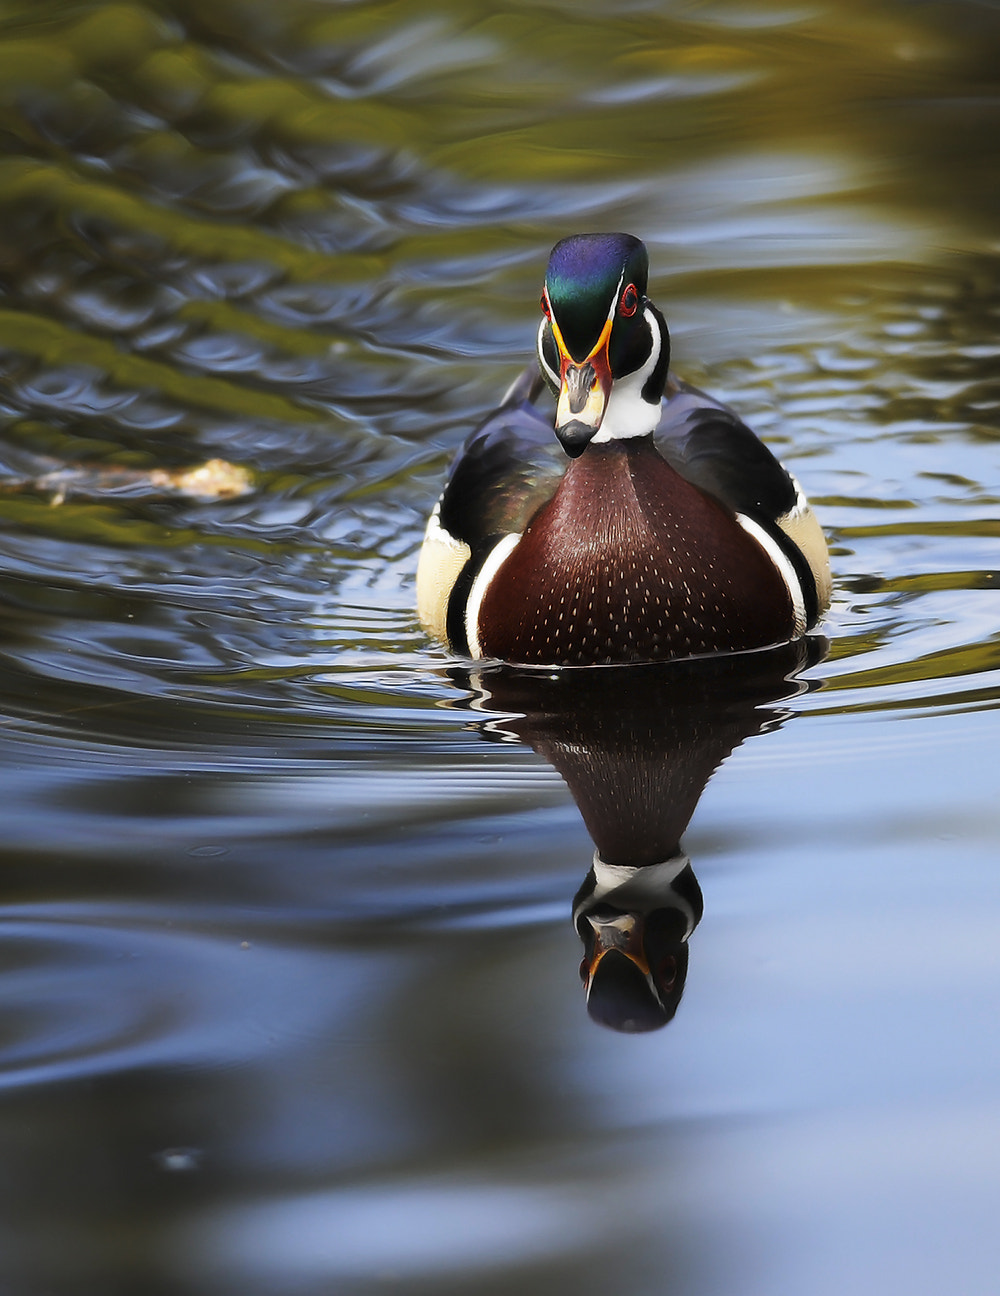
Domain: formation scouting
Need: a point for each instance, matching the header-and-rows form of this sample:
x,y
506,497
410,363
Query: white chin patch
x,y
628,415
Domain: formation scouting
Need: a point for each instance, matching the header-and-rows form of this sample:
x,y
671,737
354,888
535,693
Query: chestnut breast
x,y
629,562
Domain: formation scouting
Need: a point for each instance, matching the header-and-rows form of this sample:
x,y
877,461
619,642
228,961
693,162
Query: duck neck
x,y
633,408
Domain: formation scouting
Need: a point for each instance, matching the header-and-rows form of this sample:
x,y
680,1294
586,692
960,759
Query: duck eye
x,y
546,309
629,301
667,972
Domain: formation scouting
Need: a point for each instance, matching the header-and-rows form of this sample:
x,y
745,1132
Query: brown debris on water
x,y
216,479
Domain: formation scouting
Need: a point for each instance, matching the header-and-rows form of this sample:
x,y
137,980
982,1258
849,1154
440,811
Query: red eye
x,y
545,307
629,301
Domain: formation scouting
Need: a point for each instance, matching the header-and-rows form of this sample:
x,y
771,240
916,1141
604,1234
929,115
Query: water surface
x,y
289,998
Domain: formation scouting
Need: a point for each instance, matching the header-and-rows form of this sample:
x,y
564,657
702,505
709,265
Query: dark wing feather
x,y
508,468
713,449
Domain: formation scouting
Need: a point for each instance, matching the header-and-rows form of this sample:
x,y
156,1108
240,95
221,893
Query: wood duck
x,y
670,532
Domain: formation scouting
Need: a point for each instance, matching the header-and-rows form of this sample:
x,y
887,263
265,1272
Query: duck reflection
x,y
636,746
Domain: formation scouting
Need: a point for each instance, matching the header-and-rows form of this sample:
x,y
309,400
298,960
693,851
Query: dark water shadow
x,y
636,747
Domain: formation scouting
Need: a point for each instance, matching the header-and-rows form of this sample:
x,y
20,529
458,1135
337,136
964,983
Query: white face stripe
x,y
614,298
550,373
497,556
627,414
785,569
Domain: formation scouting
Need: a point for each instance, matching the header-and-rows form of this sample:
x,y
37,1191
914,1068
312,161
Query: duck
x,y
642,522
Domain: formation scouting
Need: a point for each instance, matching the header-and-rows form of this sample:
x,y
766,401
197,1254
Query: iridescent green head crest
x,y
584,274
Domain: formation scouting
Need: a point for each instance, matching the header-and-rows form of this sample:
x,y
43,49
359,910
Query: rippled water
x,y
288,988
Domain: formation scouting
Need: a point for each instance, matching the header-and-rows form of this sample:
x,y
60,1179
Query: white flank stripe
x,y
785,569
480,585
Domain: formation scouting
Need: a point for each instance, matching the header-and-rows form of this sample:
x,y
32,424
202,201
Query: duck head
x,y
635,924
602,345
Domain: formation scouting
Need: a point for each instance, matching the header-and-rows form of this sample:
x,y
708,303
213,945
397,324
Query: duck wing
x,y
508,468
712,448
